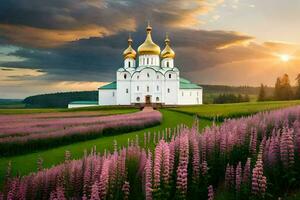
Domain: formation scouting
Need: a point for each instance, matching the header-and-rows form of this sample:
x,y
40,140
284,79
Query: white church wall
x,y
129,63
190,96
149,60
171,88
107,97
146,82
167,62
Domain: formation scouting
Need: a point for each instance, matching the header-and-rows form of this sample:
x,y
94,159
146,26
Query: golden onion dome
x,y
168,51
149,47
129,52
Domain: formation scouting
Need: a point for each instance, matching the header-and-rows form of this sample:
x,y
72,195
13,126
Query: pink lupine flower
x,y
232,175
126,190
196,159
287,148
238,177
210,192
247,171
104,178
253,141
204,168
228,176
166,163
182,173
157,164
148,177
258,179
95,192
172,156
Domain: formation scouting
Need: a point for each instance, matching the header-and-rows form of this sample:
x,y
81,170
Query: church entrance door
x,y
148,100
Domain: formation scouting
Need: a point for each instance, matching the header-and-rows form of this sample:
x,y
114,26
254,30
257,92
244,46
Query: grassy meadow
x,y
219,112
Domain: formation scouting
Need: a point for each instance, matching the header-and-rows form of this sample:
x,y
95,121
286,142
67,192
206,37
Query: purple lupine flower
x,y
287,148
126,190
247,171
238,177
227,176
210,192
182,172
204,168
148,177
259,181
166,163
157,164
95,192
104,178
196,159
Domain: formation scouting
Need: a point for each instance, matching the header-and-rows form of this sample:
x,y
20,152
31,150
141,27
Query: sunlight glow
x,y
285,57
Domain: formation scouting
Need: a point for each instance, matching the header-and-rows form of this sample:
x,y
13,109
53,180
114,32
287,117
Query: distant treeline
x,y
282,90
222,89
231,98
59,100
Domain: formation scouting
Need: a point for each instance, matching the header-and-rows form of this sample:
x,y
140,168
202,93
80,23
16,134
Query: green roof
x,y
85,102
110,86
186,84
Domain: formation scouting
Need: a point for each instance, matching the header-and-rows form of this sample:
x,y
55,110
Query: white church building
x,y
148,76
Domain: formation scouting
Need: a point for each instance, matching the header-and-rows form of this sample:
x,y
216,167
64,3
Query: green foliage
x,y
231,98
297,93
262,93
283,89
59,100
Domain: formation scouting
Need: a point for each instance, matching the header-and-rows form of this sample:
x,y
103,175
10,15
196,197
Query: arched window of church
x,y
125,76
170,76
152,61
147,61
137,88
157,98
148,89
138,77
127,90
129,64
157,88
148,75
113,94
167,64
157,77
168,90
138,99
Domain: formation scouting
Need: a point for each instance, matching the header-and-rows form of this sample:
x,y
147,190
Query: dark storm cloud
x,y
83,40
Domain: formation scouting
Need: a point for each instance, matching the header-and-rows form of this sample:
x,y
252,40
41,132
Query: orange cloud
x,y
38,37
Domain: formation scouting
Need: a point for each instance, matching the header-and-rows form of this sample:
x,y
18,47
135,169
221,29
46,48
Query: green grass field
x,y
221,111
105,110
25,164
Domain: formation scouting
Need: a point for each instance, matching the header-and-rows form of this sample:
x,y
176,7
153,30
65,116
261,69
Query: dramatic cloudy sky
x,y
63,45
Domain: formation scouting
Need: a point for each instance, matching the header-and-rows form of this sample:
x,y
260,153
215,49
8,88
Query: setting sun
x,y
285,57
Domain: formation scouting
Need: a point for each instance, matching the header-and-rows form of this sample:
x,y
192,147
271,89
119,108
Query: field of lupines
x,y
25,133
256,157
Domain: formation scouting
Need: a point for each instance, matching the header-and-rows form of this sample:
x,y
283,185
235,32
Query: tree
x,y
297,94
262,93
283,89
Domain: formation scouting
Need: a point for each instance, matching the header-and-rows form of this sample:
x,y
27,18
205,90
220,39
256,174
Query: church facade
x,y
149,76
